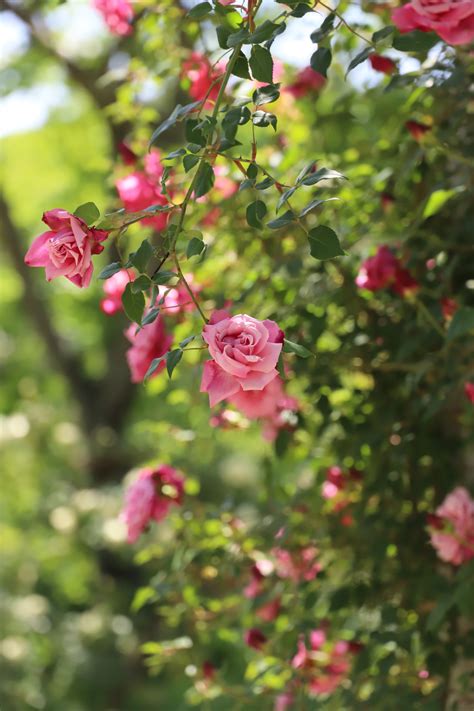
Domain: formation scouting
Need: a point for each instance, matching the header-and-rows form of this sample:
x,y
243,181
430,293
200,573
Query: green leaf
x,y
322,174
321,60
462,323
264,32
241,67
314,204
437,615
284,197
142,256
200,10
256,211
177,113
261,64
142,283
359,58
233,118
301,10
326,27
296,348
151,316
223,34
416,41
172,360
189,161
285,219
266,94
142,596
262,119
252,171
186,341
265,183
383,33
195,247
89,212
437,199
133,303
155,363
235,38
110,270
324,243
163,276
205,179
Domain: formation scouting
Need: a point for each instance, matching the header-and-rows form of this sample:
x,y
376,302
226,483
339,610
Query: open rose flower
x,y
148,343
384,270
452,529
150,498
113,290
138,191
244,354
452,20
202,77
66,249
306,81
118,15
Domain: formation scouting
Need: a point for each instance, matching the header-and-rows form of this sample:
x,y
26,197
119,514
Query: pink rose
x,y
118,15
469,391
148,343
297,565
245,353
284,701
384,270
452,20
324,677
198,70
150,498
67,248
269,611
382,64
113,290
137,192
307,80
453,536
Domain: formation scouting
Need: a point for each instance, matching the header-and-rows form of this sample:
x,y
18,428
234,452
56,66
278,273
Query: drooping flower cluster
x,y
384,271
150,497
66,249
452,20
118,15
452,527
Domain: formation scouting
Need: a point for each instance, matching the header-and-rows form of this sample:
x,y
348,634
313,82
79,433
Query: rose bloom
x,y
113,290
417,130
255,638
148,343
452,20
297,565
453,533
306,81
66,249
244,354
137,192
201,75
324,677
382,64
469,391
150,497
384,270
118,15
448,308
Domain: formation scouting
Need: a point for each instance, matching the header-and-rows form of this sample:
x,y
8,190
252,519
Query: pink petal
x,y
38,255
257,381
217,383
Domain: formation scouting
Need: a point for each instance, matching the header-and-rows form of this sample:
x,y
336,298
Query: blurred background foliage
x,y
384,393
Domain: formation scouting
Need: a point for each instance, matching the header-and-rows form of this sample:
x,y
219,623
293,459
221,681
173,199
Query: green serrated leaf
x,y
266,94
324,243
172,360
89,212
322,174
383,33
261,64
314,204
321,60
255,213
189,161
263,32
141,283
163,277
296,348
326,27
262,119
287,218
284,197
359,58
133,303
241,67
154,365
195,247
142,256
110,270
200,10
150,316
205,179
